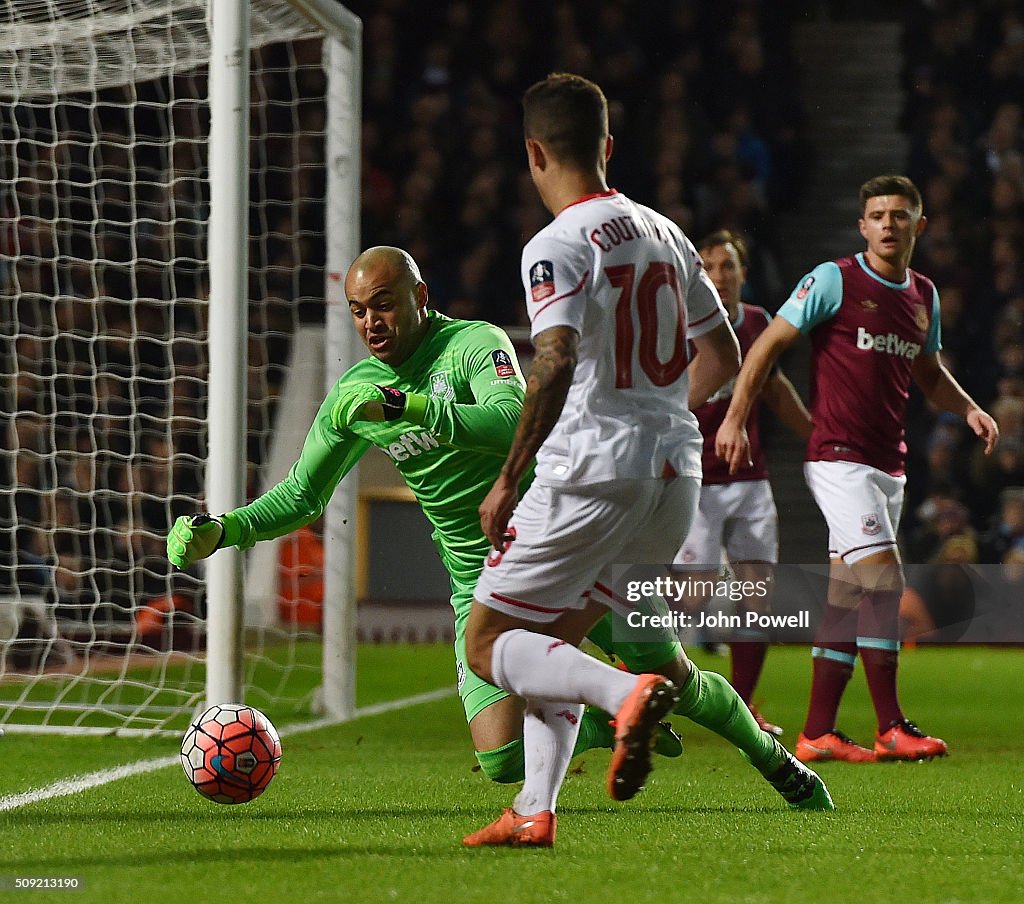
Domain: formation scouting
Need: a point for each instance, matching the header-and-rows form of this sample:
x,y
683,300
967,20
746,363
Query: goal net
x,y
104,317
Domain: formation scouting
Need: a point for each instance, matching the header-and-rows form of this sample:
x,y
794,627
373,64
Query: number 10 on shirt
x,y
643,295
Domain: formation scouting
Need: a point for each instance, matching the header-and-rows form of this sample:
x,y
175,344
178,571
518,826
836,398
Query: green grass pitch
x,y
373,811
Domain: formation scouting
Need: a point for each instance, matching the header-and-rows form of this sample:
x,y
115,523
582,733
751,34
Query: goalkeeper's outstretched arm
x,y
328,454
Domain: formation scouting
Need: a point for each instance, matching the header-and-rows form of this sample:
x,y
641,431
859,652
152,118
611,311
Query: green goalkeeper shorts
x,y
475,693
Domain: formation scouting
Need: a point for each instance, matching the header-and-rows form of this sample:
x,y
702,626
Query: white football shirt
x,y
632,285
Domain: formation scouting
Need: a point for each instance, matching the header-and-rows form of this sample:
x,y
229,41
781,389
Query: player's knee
x,y
895,585
844,594
483,628
478,656
504,764
880,577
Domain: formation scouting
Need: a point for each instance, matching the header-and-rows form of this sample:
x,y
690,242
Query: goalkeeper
x,y
441,398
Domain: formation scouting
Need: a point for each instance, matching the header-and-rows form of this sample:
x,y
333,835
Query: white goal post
x,y
149,281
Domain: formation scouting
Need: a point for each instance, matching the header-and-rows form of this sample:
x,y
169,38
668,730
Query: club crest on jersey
x,y
542,280
805,287
441,386
870,524
868,304
920,317
503,366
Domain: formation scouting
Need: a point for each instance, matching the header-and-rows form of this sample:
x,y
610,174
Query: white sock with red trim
x,y
538,667
549,736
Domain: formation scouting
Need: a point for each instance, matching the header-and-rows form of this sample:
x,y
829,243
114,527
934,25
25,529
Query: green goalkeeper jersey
x,y
465,395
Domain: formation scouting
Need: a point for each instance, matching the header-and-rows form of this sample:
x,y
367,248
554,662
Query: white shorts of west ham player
x,y
861,505
739,517
566,539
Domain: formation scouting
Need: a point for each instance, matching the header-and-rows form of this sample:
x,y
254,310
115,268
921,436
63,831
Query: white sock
x,y
538,667
549,736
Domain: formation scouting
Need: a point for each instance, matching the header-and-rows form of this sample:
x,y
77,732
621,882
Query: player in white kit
x,y
614,292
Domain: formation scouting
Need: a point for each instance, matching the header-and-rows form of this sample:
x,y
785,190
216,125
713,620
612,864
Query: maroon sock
x,y
830,679
880,671
835,653
747,662
878,643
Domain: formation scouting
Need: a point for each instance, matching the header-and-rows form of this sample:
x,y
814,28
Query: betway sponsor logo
x,y
410,444
891,344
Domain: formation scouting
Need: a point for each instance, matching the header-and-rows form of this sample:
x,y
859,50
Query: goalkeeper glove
x,y
368,402
391,409
194,537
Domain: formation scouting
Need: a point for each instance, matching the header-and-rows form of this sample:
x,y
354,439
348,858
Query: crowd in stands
x,y
106,397
103,317
707,99
104,409
704,96
964,82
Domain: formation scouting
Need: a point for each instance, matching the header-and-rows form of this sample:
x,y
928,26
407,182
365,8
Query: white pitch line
x,y
375,709
77,784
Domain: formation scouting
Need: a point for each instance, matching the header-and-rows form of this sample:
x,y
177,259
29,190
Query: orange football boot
x,y
635,723
833,745
512,830
903,740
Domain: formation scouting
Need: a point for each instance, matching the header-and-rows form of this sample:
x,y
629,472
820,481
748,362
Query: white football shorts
x,y
740,517
861,505
567,537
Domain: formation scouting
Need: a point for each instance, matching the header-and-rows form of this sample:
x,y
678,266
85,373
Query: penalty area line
x,y
78,784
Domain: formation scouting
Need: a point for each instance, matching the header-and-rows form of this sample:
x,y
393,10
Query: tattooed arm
x,y
547,386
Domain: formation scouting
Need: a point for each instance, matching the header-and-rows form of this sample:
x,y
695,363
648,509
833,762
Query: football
x,y
230,753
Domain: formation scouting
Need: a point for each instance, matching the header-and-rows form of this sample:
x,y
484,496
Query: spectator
x,y
1008,531
937,604
92,320
965,125
943,518
737,179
